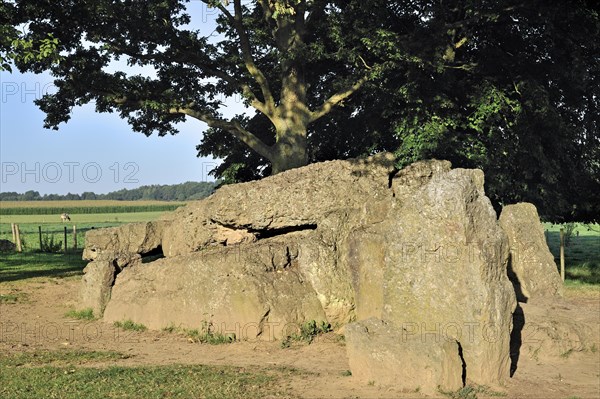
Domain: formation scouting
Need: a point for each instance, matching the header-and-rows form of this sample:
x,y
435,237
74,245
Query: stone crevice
x,y
262,234
463,363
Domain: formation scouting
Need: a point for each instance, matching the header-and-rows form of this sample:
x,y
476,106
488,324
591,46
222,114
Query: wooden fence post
x,y
40,234
562,254
74,237
65,241
18,235
14,232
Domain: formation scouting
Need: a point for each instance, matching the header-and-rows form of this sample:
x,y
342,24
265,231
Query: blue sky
x,y
92,152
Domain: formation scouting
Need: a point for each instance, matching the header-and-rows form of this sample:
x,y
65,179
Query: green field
x,y
85,215
30,264
32,215
29,226
582,254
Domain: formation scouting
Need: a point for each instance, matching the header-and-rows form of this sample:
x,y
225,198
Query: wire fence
x,y
46,238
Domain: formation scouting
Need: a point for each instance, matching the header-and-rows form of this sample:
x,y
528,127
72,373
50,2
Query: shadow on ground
x,y
21,266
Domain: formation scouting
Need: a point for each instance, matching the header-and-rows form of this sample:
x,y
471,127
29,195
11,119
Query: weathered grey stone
x,y
416,175
96,285
385,355
531,268
445,271
364,254
293,200
331,284
226,236
133,238
252,290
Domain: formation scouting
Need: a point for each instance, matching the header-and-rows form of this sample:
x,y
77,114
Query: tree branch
x,y
266,10
300,20
246,90
268,107
318,9
335,100
210,70
232,127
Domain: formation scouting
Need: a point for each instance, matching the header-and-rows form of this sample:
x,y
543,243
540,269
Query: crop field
x,y
85,215
56,208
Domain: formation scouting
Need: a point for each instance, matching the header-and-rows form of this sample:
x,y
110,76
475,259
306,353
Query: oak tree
x,y
261,50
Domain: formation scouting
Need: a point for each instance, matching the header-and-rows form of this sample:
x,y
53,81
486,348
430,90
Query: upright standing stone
x,y
531,267
445,272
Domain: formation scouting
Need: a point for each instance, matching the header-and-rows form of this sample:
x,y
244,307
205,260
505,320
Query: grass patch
x,y
212,338
65,357
578,289
9,298
29,264
585,272
307,333
208,335
582,255
205,335
565,355
13,298
129,325
149,382
170,329
471,391
84,314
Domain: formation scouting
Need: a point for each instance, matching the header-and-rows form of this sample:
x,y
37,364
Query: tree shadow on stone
x,y
514,279
516,339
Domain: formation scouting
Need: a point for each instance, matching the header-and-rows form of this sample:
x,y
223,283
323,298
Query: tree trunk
x,y
289,151
291,122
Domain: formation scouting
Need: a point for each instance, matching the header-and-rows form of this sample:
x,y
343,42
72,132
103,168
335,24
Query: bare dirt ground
x,y
37,322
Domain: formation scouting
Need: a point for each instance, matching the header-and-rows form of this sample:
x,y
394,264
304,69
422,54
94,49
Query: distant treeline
x,y
168,192
84,210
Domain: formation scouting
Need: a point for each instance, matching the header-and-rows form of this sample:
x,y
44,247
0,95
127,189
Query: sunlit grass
x,y
72,375
83,314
